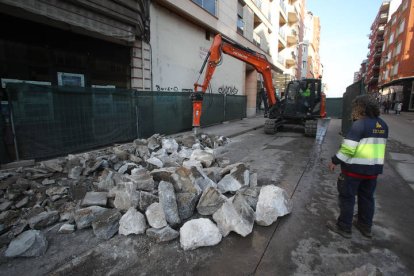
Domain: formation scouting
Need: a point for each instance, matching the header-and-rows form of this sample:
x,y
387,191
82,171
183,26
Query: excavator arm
x,y
222,45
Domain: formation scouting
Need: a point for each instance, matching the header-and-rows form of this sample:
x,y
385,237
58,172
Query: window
x,y
208,5
240,21
391,40
395,69
398,48
386,74
401,26
394,19
405,5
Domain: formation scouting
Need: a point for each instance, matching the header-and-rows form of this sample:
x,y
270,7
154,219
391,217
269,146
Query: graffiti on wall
x,y
227,90
171,89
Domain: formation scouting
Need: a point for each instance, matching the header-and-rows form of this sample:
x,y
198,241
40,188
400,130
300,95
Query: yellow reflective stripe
x,y
347,150
370,151
350,143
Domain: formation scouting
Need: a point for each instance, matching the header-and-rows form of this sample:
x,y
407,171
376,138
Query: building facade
x,y
375,48
397,66
75,43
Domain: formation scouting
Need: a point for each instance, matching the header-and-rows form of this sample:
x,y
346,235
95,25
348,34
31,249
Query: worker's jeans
x,y
348,188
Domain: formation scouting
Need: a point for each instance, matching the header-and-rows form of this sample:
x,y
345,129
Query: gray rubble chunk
x,y
142,178
164,234
155,216
185,153
206,158
228,184
186,203
75,172
132,222
235,216
186,140
213,173
31,243
106,183
126,196
145,200
66,229
52,165
156,162
22,202
253,180
192,163
210,201
48,181
106,224
273,202
84,217
43,219
169,144
199,232
95,199
168,202
127,168
183,181
163,174
5,205
251,194
56,191
153,142
365,270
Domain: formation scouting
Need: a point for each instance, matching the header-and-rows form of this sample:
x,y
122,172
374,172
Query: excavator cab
x,y
302,105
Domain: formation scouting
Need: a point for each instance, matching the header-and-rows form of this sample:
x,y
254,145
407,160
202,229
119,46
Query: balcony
x,y
292,15
281,60
283,13
290,59
292,37
282,39
379,43
385,5
382,19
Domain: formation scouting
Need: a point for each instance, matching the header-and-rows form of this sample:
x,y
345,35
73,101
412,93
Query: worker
x,y
306,98
361,157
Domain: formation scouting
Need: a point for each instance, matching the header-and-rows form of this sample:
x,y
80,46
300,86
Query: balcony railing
x,y
282,6
282,33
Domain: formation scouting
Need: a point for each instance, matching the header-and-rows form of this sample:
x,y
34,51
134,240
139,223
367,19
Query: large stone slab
x,y
199,232
84,217
183,181
206,158
106,224
132,222
164,234
168,202
155,216
210,201
31,243
145,200
235,216
186,203
273,202
126,196
95,199
142,178
44,219
170,145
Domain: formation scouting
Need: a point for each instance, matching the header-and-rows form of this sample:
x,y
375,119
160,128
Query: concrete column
x,y
141,66
251,91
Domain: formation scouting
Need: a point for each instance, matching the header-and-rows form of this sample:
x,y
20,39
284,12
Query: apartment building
x,y
397,66
182,33
311,64
375,48
77,43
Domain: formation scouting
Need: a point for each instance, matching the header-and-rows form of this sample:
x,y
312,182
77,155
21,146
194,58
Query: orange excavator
x,y
303,102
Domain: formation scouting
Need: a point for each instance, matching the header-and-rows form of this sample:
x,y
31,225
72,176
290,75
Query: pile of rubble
x,y
163,187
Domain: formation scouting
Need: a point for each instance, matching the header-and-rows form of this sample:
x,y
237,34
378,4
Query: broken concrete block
x,y
56,191
155,216
31,243
251,194
253,180
84,217
132,222
186,203
235,216
106,182
199,232
5,205
210,201
142,178
228,184
52,165
273,203
126,196
145,200
203,156
192,163
66,229
95,198
185,153
153,142
47,181
127,168
163,174
164,234
183,181
169,144
22,202
168,202
75,172
106,224
186,140
44,219
155,162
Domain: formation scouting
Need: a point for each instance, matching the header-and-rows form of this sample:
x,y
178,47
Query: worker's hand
x,y
332,166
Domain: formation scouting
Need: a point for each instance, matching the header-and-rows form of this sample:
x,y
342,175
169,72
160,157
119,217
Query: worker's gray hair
x,y
365,106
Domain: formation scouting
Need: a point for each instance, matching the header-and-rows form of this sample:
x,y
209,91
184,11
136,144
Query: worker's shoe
x,y
364,229
331,225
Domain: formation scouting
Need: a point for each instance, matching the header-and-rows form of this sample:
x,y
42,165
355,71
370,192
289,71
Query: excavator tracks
x,y
271,126
311,127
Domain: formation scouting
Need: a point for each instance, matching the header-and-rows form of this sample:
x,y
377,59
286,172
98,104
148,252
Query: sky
x,y
345,26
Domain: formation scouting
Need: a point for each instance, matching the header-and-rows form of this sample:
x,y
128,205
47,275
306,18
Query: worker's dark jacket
x,y
363,149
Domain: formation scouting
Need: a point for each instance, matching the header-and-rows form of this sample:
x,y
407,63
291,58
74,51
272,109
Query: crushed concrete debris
x,y
150,186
